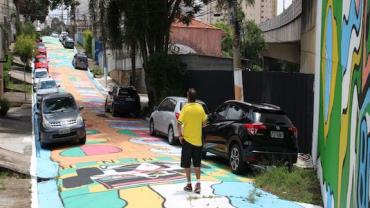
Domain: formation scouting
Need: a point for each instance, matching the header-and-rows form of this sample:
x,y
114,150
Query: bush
x,y
24,46
97,72
166,75
87,44
4,106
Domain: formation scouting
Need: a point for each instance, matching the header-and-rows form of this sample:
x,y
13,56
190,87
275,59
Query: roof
x,y
40,56
46,79
40,69
58,95
264,106
177,98
195,24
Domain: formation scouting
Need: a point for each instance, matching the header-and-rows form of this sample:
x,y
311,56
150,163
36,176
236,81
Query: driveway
x,y
122,166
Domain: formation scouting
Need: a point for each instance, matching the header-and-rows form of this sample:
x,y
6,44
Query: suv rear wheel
x,y
151,128
236,162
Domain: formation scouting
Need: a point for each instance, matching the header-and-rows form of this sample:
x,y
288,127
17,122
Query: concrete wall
x,y
308,37
342,117
205,41
284,51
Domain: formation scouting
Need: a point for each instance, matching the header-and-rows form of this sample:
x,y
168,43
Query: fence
x,y
293,92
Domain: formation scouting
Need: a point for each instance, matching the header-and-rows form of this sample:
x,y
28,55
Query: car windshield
x,y
61,104
43,60
41,74
272,118
48,84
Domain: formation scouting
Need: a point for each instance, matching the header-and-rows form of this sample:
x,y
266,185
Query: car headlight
x,y
79,120
46,123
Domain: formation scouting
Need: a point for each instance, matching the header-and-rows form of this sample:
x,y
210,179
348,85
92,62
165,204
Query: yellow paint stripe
x,y
141,197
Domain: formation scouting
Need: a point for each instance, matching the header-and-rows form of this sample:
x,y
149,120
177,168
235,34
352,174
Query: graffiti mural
x,y
344,104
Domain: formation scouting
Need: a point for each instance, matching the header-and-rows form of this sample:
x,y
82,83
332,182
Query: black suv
x,y
123,100
247,133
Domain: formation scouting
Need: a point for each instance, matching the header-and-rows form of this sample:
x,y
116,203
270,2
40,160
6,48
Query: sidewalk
x,y
15,155
17,98
19,75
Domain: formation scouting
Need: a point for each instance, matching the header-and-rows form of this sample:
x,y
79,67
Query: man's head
x,y
192,95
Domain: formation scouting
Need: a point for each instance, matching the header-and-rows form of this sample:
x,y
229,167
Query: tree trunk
x,y
133,66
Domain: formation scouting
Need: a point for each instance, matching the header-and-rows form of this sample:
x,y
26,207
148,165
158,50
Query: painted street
x,y
121,165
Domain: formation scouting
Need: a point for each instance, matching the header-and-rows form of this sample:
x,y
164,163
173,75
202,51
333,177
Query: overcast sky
x,y
280,5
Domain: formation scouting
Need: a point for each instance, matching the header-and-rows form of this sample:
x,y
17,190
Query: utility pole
x,y
237,64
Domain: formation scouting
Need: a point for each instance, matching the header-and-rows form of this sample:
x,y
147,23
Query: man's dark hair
x,y
192,95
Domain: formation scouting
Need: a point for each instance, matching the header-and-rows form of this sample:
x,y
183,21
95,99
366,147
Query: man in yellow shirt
x,y
192,117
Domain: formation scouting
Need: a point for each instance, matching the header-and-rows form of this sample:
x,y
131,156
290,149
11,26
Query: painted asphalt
x,y
121,165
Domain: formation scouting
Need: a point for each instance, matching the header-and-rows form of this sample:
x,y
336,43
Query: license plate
x,y
277,134
64,131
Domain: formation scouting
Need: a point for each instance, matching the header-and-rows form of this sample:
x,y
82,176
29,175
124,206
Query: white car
x,y
163,120
55,35
44,87
39,74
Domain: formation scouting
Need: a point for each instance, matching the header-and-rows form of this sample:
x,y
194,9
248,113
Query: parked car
x,y
60,120
42,51
163,120
247,133
62,36
68,43
123,100
41,62
39,74
80,61
44,87
55,35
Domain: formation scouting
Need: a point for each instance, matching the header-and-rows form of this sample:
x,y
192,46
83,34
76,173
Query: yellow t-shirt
x,y
192,117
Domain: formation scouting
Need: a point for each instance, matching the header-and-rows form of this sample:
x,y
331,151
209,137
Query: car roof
x,y
46,79
57,95
261,106
41,56
81,54
40,70
183,99
69,39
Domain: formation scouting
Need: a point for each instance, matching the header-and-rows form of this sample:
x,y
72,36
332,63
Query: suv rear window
x,y
127,92
272,118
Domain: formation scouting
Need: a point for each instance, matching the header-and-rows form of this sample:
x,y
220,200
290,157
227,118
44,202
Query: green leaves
x,y
24,46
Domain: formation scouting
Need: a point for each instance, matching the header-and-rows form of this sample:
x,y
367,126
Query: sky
x,y
280,5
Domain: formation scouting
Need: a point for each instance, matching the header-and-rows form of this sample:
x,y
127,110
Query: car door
x,y
110,96
159,120
213,140
169,115
234,116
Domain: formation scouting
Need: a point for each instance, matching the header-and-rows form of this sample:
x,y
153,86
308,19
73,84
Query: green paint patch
x,y
72,152
95,141
106,198
92,132
127,132
66,171
74,192
86,165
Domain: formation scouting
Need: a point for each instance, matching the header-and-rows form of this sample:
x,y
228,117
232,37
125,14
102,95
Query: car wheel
x,y
236,162
106,106
151,128
43,144
114,112
82,141
171,136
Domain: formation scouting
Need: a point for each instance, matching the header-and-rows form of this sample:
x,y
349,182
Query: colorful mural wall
x,y
344,104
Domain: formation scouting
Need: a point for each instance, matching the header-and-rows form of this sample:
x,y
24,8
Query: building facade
x,y
260,11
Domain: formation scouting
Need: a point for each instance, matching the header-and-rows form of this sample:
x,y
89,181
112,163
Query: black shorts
x,y
190,153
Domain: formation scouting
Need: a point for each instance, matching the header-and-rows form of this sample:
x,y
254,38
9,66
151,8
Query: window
x,y
221,111
163,105
63,104
234,113
171,105
272,118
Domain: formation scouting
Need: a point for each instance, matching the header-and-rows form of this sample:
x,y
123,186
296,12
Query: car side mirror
x,y
34,88
81,108
58,85
155,108
37,113
110,92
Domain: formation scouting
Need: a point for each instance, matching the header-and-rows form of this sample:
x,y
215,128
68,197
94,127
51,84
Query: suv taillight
x,y
294,130
177,115
253,128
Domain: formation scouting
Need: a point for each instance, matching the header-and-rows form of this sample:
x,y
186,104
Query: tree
x,y
254,42
147,26
34,9
227,39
